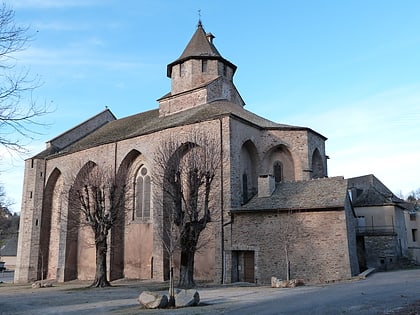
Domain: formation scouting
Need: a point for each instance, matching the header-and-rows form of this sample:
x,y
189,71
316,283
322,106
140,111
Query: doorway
x,y
243,266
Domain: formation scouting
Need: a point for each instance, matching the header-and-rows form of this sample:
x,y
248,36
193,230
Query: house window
x,y
414,235
204,65
412,216
181,69
142,194
278,171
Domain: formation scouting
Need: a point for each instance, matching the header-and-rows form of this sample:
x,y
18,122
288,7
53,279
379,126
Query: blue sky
x,y
347,69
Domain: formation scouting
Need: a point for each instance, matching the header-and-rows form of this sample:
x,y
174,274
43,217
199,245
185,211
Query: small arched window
x,y
142,194
278,171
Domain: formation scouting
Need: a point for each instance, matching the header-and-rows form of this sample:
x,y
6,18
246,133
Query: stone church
x,y
272,189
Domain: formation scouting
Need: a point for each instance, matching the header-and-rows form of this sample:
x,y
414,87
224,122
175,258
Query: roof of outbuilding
x,y
316,194
150,121
373,192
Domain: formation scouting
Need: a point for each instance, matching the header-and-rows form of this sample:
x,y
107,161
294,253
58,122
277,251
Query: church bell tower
x,y
199,76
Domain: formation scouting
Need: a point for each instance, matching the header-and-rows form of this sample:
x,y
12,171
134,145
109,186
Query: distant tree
x,y
414,196
18,111
99,204
185,173
9,221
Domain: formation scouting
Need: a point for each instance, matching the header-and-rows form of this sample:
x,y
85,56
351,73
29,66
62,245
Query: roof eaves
x,y
293,209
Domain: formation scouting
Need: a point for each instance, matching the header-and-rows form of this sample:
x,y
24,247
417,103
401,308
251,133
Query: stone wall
x,y
382,252
318,244
27,260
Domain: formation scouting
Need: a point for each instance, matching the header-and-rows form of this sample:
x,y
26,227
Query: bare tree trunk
x,y
100,275
286,250
186,270
171,287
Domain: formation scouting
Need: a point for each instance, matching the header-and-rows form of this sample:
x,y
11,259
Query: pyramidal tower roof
x,y
201,44
199,47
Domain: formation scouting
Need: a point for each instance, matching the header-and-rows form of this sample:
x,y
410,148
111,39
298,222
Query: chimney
x,y
210,37
266,185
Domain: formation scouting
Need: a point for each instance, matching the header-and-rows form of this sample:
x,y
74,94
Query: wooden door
x,y
249,266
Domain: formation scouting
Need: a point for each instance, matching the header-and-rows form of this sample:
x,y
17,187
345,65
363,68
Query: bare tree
x,y
289,225
18,111
185,172
99,205
414,196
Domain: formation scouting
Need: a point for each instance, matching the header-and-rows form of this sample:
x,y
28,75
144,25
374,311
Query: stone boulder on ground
x,y
275,282
278,283
184,298
42,284
153,300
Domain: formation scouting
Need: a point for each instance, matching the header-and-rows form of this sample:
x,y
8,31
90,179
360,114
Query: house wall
x,y
351,223
378,216
412,221
10,262
319,245
383,250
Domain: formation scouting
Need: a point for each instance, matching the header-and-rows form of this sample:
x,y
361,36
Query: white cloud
x,y
54,4
377,135
76,54
60,26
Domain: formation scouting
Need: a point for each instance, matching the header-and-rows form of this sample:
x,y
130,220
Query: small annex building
x,y
381,229
310,222
271,190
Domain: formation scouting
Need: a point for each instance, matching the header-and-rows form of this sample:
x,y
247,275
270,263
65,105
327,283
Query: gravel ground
x,y
412,309
391,293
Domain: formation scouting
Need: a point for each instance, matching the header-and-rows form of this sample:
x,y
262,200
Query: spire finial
x,y
199,18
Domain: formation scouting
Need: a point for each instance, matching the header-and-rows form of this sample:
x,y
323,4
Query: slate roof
x,y
199,47
150,122
316,194
373,192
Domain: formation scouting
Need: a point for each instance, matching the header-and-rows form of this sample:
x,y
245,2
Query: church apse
x,y
279,162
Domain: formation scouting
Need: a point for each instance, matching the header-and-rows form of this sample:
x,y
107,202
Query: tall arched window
x,y
317,165
142,194
278,171
244,188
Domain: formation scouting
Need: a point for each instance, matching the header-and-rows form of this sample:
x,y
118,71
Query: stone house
x,y
270,172
381,231
412,222
313,220
8,252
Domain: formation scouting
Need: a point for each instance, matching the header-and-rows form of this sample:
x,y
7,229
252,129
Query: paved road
x,y
378,294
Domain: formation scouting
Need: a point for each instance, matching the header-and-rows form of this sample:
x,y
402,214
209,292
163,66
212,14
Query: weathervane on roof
x,y
199,17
